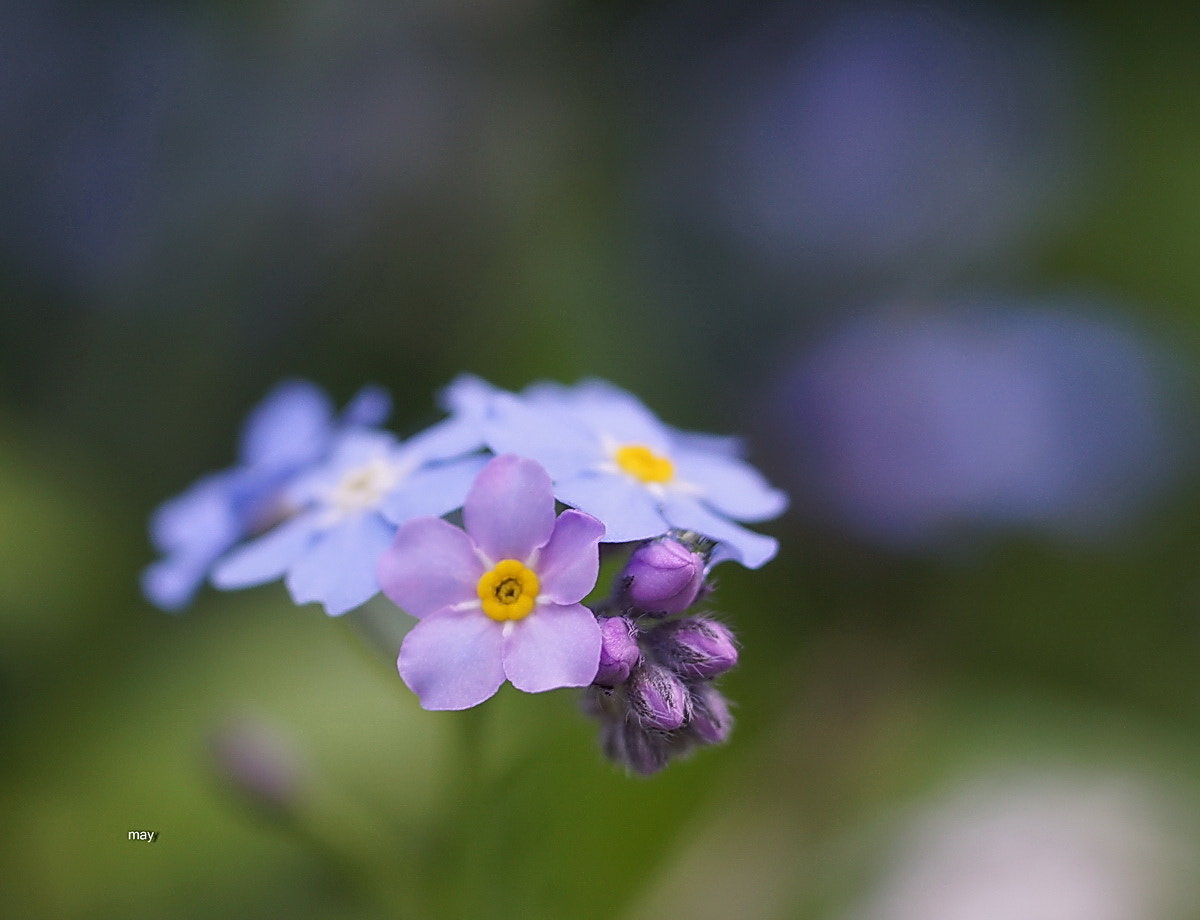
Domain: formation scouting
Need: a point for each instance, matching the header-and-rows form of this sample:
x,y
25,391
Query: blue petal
x,y
369,407
563,445
433,490
750,548
731,486
268,557
170,584
468,395
628,510
452,437
338,570
291,426
203,516
616,415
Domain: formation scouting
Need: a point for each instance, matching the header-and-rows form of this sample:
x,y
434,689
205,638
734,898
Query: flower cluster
x,y
653,692
341,510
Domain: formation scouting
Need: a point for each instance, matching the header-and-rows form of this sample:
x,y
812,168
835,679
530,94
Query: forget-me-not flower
x,y
611,457
500,600
290,429
348,510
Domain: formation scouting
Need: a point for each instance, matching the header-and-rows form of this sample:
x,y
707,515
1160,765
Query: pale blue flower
x,y
347,510
293,427
611,457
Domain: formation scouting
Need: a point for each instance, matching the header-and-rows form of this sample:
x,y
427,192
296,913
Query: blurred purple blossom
x,y
862,136
907,426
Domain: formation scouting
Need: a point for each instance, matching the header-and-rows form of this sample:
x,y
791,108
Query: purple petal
x,y
268,557
339,569
432,491
628,509
431,564
451,659
750,548
555,646
567,566
730,486
509,511
289,427
561,443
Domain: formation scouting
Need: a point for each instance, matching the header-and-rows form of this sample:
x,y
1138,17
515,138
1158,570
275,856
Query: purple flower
x,y
611,457
499,600
907,427
866,135
348,509
293,427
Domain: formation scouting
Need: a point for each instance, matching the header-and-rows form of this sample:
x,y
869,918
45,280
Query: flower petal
x,y
268,557
509,511
431,564
730,486
432,491
567,566
616,414
369,407
555,646
561,443
171,583
750,548
339,569
291,426
202,519
450,437
628,509
452,659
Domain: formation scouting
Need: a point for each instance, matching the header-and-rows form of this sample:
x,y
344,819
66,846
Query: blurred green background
x,y
202,198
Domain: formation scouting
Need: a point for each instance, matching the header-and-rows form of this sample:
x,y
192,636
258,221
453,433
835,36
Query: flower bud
x,y
711,720
659,700
619,651
663,577
258,763
644,752
696,648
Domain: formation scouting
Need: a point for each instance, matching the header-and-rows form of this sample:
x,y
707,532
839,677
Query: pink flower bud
x,y
259,764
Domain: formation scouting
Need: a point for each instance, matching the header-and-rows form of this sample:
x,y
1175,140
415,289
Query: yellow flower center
x,y
640,462
509,591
